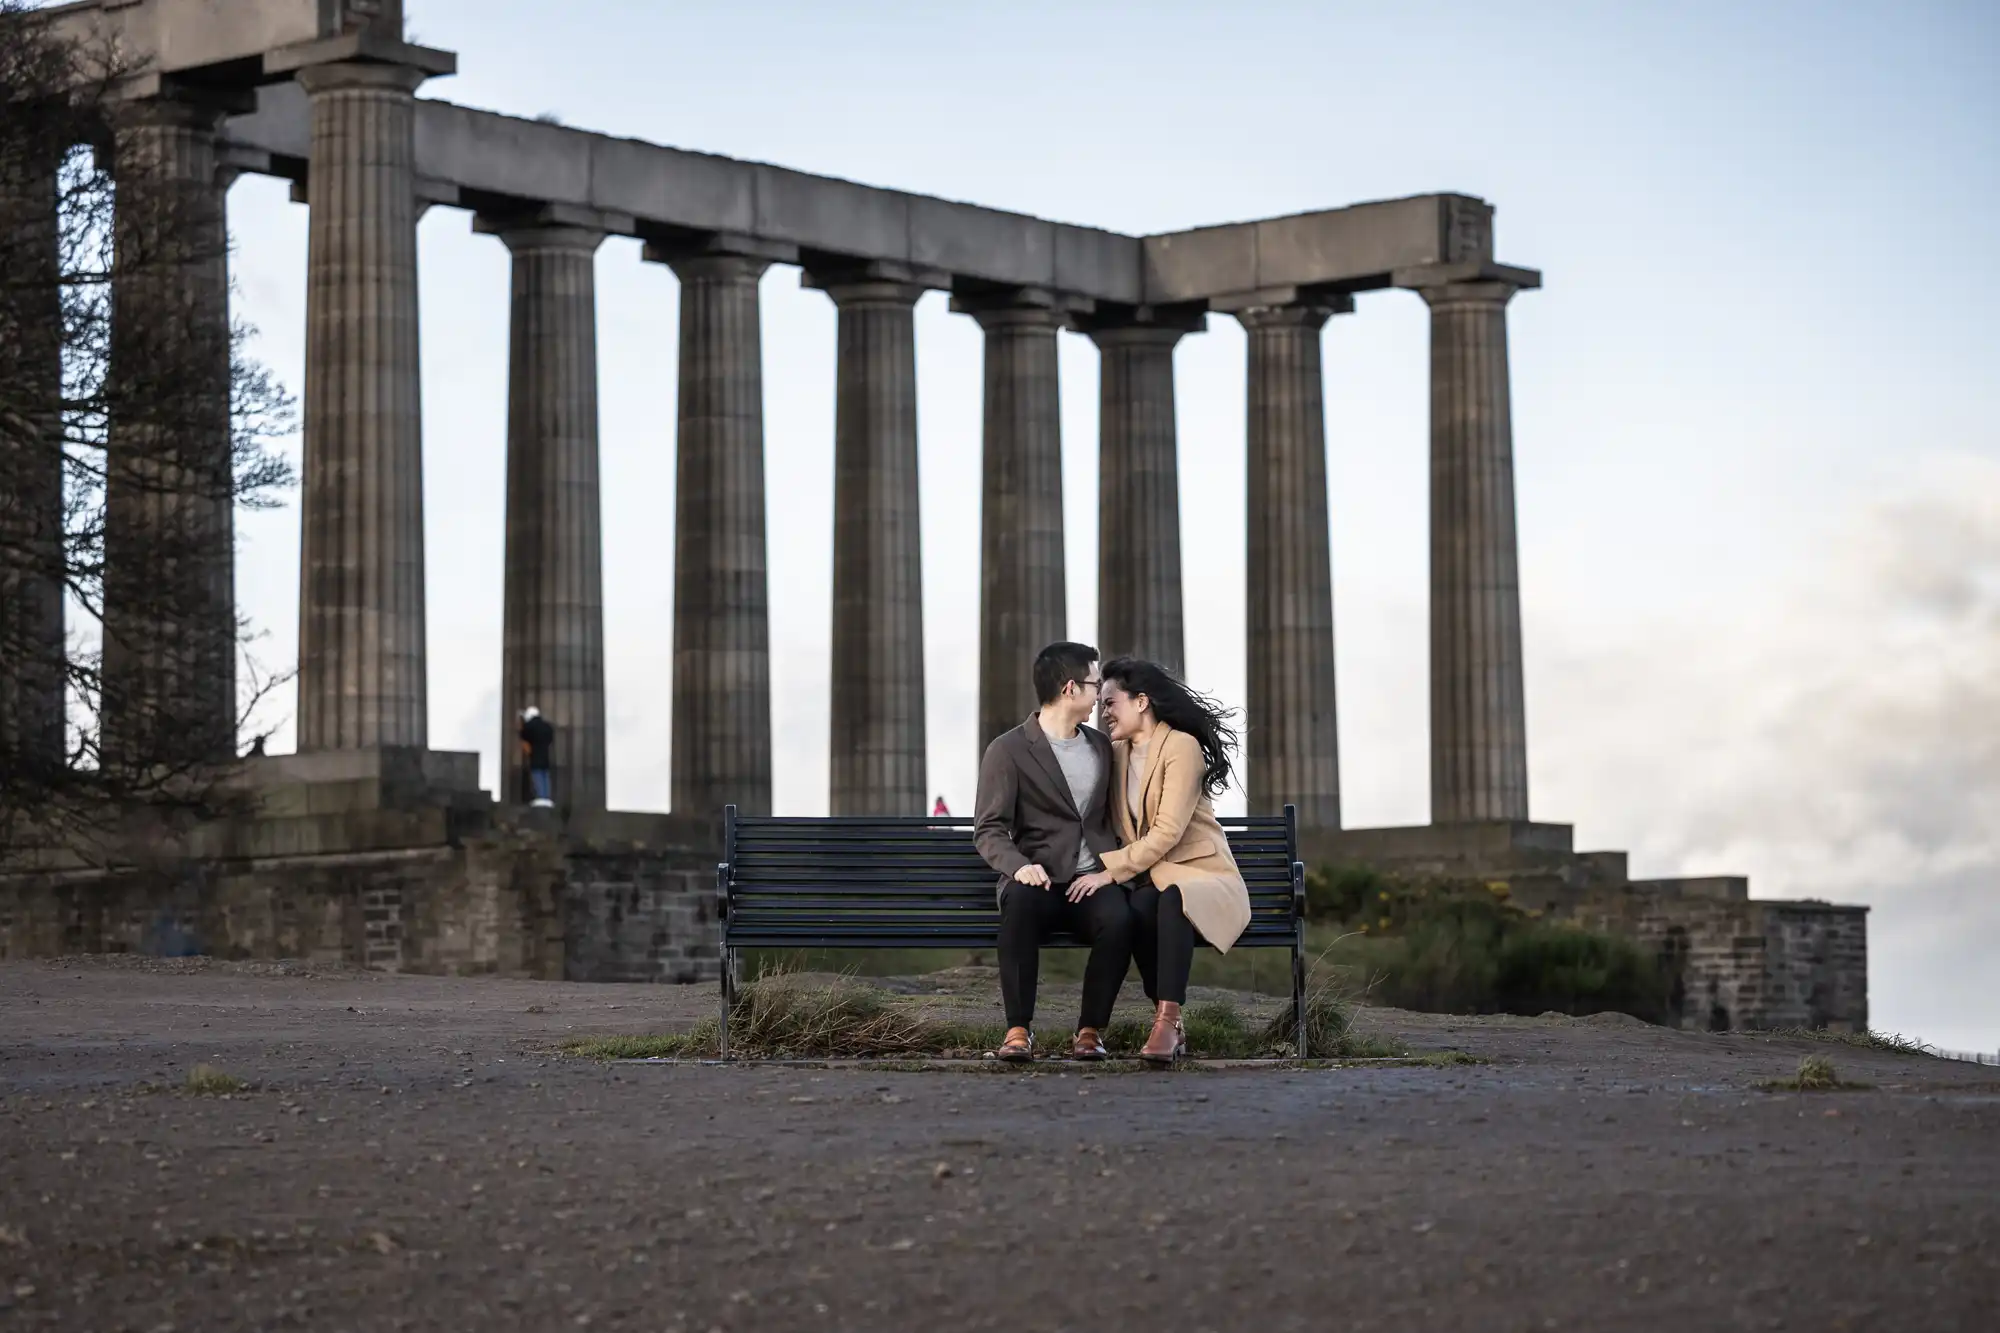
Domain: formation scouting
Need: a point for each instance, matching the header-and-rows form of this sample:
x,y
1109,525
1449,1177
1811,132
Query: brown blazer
x,y
1173,835
1024,812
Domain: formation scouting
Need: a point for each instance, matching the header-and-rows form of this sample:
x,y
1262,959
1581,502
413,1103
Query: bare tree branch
x,y
133,424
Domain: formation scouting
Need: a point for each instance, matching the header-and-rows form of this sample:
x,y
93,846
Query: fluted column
x,y
1293,742
552,636
877,742
1138,494
361,586
169,647
722,604
1022,606
31,476
1479,743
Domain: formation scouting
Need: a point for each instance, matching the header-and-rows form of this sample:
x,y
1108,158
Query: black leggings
x,y
1162,941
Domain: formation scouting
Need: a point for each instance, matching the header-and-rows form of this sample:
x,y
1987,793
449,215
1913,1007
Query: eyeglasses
x,y
1088,683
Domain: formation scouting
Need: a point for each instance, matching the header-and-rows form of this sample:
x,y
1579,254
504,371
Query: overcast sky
x,y
1754,406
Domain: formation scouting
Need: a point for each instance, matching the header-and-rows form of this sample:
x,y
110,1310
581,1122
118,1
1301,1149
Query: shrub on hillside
x,y
1458,946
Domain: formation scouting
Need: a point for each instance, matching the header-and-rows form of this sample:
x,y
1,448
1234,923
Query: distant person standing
x,y
940,808
537,739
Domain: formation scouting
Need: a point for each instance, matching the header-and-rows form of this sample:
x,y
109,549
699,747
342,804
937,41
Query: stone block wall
x,y
513,899
1748,962
640,916
1735,961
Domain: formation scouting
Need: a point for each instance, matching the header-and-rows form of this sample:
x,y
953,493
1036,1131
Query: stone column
x,y
1479,742
1022,604
1138,493
722,603
31,466
877,742
552,640
1294,740
169,650
361,584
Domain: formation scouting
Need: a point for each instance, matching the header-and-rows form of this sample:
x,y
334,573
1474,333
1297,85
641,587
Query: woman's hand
x,y
1084,885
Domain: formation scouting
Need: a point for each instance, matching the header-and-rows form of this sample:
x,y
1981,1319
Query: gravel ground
x,y
414,1153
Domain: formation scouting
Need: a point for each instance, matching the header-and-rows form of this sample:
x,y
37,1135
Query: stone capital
x,y
996,317
371,46
164,99
551,227
873,283
1478,282
348,76
1328,301
670,247
544,238
1310,314
1019,307
1142,326
713,267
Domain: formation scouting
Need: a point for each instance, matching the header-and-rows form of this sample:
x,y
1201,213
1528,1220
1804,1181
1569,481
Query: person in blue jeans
x,y
537,739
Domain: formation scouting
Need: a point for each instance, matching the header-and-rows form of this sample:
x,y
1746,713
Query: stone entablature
x,y
486,161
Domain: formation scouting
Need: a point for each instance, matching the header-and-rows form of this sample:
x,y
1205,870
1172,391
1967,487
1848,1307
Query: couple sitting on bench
x,y
1111,838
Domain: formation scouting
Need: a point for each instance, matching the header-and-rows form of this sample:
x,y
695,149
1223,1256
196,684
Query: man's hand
x,y
1032,874
1084,885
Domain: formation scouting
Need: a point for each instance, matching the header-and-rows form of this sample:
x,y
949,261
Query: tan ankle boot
x,y
1167,1042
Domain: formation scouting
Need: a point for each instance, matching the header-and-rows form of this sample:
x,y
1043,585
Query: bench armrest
x,y
1298,890
722,890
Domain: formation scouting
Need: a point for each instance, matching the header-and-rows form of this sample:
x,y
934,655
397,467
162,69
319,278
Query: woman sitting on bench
x,y
1170,751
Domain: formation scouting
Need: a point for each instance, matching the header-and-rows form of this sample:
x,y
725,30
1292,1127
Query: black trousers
x,y
1029,915
1162,941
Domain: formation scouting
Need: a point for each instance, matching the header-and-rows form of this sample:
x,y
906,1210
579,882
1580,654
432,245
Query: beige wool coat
x,y
1174,836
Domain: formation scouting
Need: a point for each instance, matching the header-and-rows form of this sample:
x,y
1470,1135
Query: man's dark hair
x,y
1057,665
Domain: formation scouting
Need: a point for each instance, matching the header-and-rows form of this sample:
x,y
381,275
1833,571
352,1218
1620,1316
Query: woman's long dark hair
x,y
1183,709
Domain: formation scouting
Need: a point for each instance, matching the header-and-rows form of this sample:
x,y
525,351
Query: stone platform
x,y
391,859
394,859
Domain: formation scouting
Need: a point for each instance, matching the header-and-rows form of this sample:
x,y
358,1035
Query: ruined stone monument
x,y
323,93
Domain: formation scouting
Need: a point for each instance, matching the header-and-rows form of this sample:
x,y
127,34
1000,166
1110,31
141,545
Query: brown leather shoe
x,y
1089,1045
1167,1042
1018,1048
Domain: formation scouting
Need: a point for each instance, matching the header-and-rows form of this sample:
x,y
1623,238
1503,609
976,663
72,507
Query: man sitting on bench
x,y
1041,819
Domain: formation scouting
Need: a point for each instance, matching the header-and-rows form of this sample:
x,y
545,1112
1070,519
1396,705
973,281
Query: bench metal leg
x,y
728,989
1299,991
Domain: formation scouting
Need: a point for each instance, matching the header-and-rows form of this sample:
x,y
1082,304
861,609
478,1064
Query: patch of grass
x,y
786,1016
1893,1042
209,1081
1815,1074
1330,1033
1447,1059
648,1046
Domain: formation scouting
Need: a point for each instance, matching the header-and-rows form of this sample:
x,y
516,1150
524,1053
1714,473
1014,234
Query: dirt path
x,y
414,1155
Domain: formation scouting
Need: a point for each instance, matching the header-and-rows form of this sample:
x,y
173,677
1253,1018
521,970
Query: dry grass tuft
x,y
1330,1033
786,1015
783,1015
208,1081
1894,1042
1815,1074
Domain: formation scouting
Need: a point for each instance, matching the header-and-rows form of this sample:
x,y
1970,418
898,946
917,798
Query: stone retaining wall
x,y
510,900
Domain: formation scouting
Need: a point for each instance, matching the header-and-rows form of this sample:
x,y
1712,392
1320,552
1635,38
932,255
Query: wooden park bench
x,y
891,883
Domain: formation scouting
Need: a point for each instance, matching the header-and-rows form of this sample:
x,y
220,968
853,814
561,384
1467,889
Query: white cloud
x,y
1834,734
